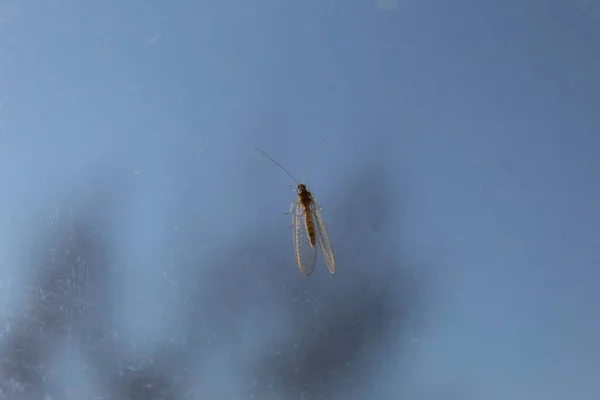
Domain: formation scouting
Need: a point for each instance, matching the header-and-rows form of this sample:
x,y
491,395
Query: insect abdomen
x,y
310,226
305,198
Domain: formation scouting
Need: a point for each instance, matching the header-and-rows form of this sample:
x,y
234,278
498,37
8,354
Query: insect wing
x,y
306,255
322,236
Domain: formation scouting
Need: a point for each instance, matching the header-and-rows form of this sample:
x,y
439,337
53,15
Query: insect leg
x,y
295,202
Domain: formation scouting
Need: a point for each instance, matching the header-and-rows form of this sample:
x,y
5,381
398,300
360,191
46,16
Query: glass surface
x,y
144,248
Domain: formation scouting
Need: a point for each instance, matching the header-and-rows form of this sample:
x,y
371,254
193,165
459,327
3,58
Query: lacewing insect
x,y
308,226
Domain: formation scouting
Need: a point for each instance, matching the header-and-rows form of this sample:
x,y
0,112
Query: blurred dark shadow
x,y
319,337
66,297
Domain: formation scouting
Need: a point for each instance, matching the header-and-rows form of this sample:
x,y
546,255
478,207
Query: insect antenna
x,y
313,158
276,163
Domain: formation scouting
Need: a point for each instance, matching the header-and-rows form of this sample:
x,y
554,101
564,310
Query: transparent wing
x,y
322,236
306,255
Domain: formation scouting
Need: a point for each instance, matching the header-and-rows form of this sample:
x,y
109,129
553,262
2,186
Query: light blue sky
x,y
460,169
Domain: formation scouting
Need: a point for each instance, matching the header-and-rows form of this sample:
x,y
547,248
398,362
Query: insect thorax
x,y
304,195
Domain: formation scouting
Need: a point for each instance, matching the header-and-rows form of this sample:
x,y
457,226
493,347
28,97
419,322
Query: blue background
x,y
144,252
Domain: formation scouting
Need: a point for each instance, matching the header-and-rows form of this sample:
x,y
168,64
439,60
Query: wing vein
x,y
323,236
306,255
